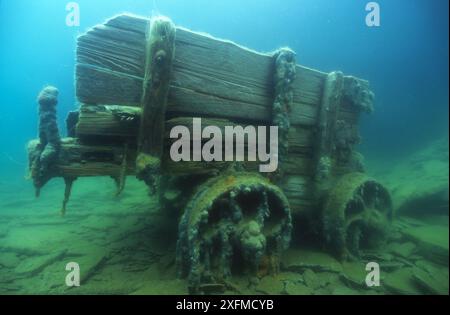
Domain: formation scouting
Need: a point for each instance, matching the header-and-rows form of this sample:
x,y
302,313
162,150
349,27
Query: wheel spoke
x,y
357,214
225,220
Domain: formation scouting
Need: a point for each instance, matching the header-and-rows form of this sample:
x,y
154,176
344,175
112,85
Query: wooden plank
x,y
110,62
301,140
73,151
108,120
185,101
123,121
78,160
351,118
129,22
158,70
92,169
299,165
299,191
226,61
102,86
211,77
109,48
301,206
331,100
304,115
248,77
301,186
308,86
203,83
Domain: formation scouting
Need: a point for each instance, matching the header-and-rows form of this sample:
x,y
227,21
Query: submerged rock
x,y
328,278
404,250
292,288
431,284
90,264
298,260
99,223
311,279
32,266
163,287
270,285
9,260
34,240
432,242
430,168
3,232
401,282
343,290
354,274
10,288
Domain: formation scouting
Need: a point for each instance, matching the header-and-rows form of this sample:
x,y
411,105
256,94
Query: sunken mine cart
x,y
136,78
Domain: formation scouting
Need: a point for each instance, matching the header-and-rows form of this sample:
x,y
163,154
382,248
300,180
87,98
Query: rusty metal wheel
x,y
232,223
357,214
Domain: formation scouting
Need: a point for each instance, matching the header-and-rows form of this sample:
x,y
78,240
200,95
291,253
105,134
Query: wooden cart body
x,y
135,81
218,80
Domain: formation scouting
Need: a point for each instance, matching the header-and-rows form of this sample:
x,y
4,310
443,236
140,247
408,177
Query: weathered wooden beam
x,y
299,190
295,165
109,121
284,77
160,51
344,98
80,160
123,122
211,77
331,100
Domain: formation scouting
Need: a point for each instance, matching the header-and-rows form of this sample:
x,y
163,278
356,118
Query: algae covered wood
x,y
122,122
108,120
158,68
210,77
79,160
137,78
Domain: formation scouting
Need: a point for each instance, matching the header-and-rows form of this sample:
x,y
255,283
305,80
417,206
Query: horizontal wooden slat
x,y
112,49
351,118
96,85
301,140
79,160
299,191
123,121
92,169
211,77
298,165
108,120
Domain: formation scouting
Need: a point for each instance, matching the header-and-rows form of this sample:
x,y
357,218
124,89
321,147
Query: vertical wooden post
x,y
158,66
331,99
284,77
68,181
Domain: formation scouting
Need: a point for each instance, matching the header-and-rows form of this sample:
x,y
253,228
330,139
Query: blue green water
x,y
405,59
